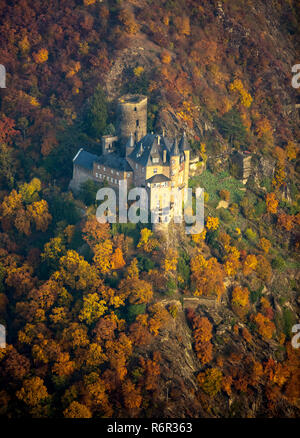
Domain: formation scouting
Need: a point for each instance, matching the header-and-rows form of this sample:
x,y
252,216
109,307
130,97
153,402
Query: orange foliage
x,y
272,203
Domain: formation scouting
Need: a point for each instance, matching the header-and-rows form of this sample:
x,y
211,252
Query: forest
x,y
114,320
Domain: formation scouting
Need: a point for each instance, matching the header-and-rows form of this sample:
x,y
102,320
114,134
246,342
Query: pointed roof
x,y
184,144
131,140
175,150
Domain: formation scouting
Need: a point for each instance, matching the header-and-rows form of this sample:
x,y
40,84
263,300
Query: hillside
x,y
115,320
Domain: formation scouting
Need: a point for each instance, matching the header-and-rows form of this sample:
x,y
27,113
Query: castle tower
x,y
174,163
185,148
132,117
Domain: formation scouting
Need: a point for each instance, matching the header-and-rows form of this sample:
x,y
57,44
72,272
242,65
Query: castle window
x,y
155,160
155,170
137,123
136,166
96,175
111,171
135,108
99,167
117,173
104,169
100,175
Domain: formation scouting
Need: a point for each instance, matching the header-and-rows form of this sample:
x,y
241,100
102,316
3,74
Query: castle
x,y
142,159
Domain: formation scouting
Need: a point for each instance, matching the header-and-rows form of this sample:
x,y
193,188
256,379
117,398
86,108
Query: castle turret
x,y
132,117
185,148
130,145
174,163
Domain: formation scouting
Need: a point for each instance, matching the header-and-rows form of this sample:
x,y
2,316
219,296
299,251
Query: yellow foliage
x,y
165,57
265,327
102,256
92,308
265,245
33,101
24,44
240,296
41,56
170,260
245,97
291,150
250,264
138,71
212,223
200,237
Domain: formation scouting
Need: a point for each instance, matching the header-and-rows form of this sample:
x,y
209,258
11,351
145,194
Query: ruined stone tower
x,y
132,117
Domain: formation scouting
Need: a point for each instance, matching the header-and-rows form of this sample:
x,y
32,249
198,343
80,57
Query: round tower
x,y
132,117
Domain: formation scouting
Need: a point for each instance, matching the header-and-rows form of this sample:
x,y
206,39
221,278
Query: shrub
x,y
225,216
251,235
225,195
255,295
278,263
134,310
289,320
170,287
88,191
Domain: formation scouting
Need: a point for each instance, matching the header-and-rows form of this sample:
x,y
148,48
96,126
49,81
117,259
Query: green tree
x,y
88,191
96,117
231,127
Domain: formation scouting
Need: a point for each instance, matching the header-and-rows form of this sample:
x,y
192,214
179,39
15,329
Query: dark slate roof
x,y
150,147
175,150
157,178
114,161
184,144
84,159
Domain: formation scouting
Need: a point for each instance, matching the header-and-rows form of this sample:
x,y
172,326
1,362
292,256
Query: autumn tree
x,y
272,203
249,264
147,241
33,393
77,410
211,381
202,334
207,276
240,301
265,327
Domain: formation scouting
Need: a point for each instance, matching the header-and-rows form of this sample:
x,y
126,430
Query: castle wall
x,y
80,175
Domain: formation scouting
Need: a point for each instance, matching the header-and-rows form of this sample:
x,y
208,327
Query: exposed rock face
x,y
263,168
